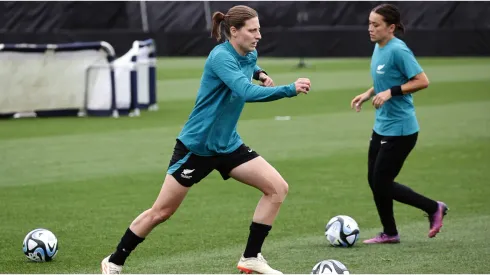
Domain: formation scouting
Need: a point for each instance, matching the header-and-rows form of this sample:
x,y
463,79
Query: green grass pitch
x,y
86,179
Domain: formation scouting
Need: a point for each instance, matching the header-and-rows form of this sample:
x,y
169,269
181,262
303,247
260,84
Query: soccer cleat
x,y
255,265
383,238
435,219
110,268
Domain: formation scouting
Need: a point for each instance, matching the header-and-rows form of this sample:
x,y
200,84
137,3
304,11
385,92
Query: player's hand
x,y
381,98
359,100
265,80
302,85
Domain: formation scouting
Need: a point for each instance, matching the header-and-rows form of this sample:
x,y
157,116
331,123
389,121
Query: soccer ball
x,y
342,231
329,267
40,245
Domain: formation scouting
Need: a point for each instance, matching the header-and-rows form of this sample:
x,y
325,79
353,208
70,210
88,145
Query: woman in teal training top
x,y
396,75
209,140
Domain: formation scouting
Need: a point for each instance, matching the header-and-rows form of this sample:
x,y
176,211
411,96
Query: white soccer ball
x,y
40,245
329,267
342,231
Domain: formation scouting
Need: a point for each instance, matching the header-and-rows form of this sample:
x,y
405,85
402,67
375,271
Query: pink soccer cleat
x,y
383,238
435,219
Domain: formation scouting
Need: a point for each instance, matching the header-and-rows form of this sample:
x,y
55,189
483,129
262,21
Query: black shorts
x,y
188,168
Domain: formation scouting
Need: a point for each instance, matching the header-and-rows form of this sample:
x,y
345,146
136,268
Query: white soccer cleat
x,y
110,268
256,265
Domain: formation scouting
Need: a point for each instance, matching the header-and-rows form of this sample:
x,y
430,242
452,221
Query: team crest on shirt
x,y
379,69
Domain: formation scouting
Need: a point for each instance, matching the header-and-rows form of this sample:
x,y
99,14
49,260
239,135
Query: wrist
x,y
257,74
396,91
368,95
262,75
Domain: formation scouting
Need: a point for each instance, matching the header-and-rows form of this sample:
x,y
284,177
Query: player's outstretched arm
x,y
261,75
228,71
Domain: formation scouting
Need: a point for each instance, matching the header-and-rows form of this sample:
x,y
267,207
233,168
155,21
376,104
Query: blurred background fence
x,y
290,29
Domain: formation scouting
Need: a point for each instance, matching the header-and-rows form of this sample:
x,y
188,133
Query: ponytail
x,y
218,17
400,27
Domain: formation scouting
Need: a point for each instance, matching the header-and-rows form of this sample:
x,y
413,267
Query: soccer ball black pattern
x,y
40,245
342,231
329,267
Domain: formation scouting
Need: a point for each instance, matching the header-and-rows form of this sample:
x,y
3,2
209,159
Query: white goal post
x,y
76,79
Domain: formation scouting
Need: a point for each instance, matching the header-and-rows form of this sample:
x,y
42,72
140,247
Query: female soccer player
x,y
396,75
209,140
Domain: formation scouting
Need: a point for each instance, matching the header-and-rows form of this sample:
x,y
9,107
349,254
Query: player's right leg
x,y
171,196
185,169
374,146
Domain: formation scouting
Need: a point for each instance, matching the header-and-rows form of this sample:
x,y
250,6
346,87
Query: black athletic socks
x,y
258,232
127,244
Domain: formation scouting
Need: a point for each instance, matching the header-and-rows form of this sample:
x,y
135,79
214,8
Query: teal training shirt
x,y
226,85
393,65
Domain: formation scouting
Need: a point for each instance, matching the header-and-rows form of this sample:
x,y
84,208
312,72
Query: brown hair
x,y
391,15
235,17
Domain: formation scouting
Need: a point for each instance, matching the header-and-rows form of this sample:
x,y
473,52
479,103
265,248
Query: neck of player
x,y
237,48
385,41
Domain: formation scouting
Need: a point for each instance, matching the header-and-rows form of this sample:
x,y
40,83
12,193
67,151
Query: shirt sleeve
x,y
406,63
226,68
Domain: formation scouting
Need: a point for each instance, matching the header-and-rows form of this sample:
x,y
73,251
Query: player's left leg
x,y
246,166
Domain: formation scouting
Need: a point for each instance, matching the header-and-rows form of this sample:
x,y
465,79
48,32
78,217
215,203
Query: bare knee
x,y
278,191
158,216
